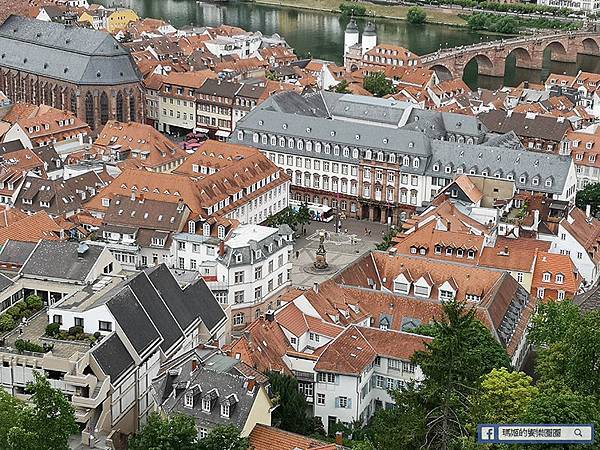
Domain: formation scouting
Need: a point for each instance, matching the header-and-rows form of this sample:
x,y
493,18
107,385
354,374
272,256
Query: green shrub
x,y
416,15
7,323
74,331
34,302
27,346
15,311
52,329
353,9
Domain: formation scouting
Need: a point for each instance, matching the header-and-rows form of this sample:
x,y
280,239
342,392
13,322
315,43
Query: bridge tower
x,y
350,35
369,37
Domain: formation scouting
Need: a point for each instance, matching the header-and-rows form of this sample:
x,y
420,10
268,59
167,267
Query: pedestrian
x,y
297,253
345,230
369,232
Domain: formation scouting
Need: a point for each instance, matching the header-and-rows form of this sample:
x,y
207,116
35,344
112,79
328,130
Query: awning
x,y
222,133
201,130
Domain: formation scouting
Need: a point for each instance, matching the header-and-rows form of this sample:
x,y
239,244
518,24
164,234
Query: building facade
x,y
84,71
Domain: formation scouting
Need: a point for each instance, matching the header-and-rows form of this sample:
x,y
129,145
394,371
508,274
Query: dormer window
x,y
471,254
206,229
547,276
438,250
188,400
401,285
206,403
221,232
224,410
238,258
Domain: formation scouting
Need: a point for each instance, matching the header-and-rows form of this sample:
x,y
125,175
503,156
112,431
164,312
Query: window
x,y
258,273
323,377
343,402
57,318
224,410
561,295
238,277
206,404
202,432
446,295
540,293
104,326
258,293
520,277
546,277
238,319
320,399
188,400
238,296
106,202
408,367
79,321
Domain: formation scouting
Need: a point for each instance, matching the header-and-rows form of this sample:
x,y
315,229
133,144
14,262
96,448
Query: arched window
x,y
103,108
58,100
132,115
238,319
89,110
73,101
120,115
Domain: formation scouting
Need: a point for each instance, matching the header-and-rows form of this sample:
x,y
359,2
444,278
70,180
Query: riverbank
x,y
437,15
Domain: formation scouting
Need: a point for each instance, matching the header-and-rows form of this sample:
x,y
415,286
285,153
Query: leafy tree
x,y
166,433
416,15
7,323
303,216
291,414
504,396
34,302
552,322
402,427
590,195
557,403
223,438
45,423
378,85
461,352
342,88
388,240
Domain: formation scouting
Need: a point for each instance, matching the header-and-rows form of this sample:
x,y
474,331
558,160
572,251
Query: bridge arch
x,y
590,46
485,66
443,72
522,57
558,52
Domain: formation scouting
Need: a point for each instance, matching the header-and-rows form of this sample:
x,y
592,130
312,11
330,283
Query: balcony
x,y
95,398
80,380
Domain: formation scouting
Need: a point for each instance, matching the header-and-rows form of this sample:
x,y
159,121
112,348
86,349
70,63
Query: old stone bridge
x,y
528,51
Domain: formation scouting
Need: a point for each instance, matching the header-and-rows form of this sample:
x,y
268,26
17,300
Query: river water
x,y
321,34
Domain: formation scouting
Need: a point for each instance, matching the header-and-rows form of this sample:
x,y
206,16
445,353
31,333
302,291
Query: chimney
x,y
506,252
141,198
588,211
339,438
194,365
251,384
526,84
132,195
448,225
316,287
221,248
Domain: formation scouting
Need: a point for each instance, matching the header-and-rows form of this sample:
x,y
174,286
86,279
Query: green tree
x,y
552,322
342,88
461,352
504,396
303,216
291,414
416,15
177,432
378,85
223,438
45,423
590,195
402,427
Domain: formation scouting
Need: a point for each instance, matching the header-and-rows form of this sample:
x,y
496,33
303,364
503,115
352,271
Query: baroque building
x,y
84,71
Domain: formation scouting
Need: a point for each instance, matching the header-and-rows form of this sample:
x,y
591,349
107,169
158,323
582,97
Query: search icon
x,y
577,432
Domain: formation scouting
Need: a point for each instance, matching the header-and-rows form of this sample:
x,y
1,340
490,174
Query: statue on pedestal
x,y
321,254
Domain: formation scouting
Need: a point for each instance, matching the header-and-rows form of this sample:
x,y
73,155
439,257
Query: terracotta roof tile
x,y
264,437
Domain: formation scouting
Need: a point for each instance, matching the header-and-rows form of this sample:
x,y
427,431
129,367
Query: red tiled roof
x,y
264,437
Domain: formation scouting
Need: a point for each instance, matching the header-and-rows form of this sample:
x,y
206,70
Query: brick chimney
x,y
339,438
194,365
221,248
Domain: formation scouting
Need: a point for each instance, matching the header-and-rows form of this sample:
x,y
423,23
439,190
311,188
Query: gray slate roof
x,y
218,372
77,55
113,357
16,252
60,260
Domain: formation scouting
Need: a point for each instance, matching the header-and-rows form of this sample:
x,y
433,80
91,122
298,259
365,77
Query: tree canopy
x,y
590,195
378,85
290,414
46,422
416,15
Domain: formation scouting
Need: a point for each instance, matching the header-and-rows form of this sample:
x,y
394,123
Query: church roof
x,y
77,55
